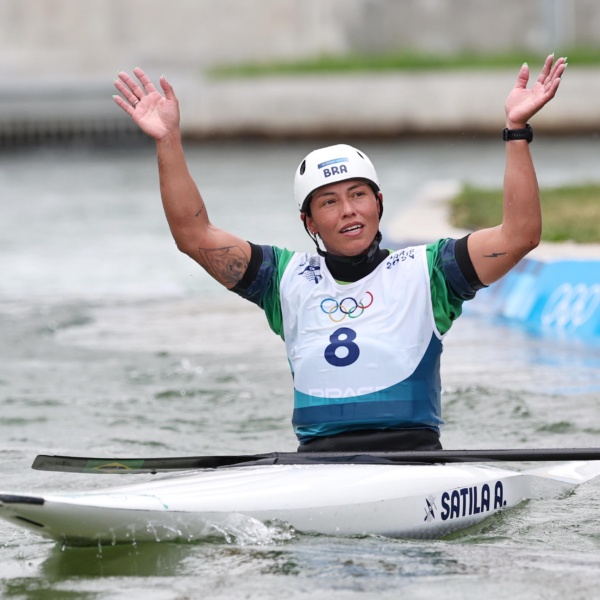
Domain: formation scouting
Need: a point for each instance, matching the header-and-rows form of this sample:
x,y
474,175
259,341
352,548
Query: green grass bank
x,y
402,61
570,213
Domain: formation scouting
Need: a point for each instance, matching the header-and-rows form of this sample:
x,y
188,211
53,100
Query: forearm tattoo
x,y
226,265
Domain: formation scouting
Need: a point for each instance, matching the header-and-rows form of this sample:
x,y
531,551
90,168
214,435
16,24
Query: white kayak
x,y
412,501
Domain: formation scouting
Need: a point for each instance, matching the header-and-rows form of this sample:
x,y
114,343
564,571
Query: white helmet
x,y
330,165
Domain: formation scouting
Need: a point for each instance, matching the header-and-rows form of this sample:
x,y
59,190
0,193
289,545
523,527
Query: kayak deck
x,y
412,501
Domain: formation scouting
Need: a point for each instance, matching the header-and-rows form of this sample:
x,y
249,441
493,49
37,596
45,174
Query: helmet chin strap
x,y
358,259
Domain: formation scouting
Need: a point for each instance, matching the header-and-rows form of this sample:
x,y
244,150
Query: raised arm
x,y
496,250
223,255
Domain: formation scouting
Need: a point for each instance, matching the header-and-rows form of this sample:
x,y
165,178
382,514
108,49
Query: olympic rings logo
x,y
570,306
348,307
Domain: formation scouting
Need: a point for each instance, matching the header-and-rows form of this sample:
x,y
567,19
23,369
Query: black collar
x,y
352,268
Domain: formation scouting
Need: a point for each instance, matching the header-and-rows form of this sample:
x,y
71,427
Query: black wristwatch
x,y
518,134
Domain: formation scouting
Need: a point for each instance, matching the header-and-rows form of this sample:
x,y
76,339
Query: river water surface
x,y
113,343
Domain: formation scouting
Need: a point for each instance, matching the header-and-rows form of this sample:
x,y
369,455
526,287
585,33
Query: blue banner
x,y
560,298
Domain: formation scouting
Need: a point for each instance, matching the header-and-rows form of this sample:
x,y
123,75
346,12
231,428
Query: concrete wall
x,y
96,37
58,59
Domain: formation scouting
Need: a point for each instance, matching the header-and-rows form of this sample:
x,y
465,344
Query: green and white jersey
x,y
363,355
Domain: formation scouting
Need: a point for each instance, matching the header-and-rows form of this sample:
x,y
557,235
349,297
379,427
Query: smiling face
x,y
345,215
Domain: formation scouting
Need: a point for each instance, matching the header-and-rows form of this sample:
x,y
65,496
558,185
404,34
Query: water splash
x,y
244,530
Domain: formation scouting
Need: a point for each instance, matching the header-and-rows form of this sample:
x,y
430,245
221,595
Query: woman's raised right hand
x,y
155,114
